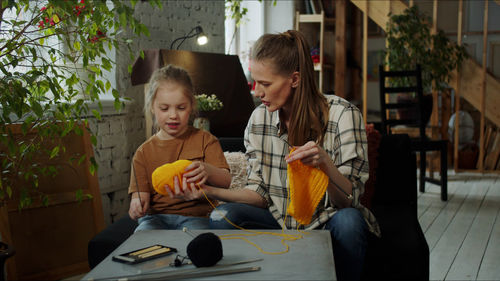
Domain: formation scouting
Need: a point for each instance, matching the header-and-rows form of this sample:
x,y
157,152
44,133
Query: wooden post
x,y
322,52
357,52
435,108
365,61
387,112
483,89
340,47
457,89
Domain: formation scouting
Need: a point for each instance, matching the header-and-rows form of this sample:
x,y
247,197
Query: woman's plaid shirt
x,y
345,142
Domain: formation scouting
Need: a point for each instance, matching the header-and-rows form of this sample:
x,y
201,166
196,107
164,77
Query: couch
x,y
401,253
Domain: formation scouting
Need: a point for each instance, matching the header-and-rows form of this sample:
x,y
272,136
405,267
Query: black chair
x,y
422,143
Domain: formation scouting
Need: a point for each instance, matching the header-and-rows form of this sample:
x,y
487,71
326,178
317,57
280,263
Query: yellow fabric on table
x,y
307,187
164,175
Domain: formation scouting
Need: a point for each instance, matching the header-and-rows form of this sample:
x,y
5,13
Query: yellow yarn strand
x,y
284,236
164,175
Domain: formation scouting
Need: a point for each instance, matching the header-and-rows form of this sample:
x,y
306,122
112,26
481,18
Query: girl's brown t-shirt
x,y
194,145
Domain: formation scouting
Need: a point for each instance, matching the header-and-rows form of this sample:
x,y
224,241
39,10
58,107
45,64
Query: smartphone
x,y
145,254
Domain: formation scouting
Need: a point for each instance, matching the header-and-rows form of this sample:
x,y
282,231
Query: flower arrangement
x,y
208,103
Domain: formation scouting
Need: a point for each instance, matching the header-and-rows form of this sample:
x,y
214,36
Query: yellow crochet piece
x,y
307,187
165,175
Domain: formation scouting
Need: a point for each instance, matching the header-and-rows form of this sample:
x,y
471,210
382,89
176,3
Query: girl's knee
x,y
218,216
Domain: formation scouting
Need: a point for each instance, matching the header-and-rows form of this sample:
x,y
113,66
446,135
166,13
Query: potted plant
x,y
204,105
410,42
53,55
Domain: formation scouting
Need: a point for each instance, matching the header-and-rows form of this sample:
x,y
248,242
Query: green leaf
x,y
45,200
117,105
82,158
37,108
54,152
79,195
97,114
123,19
9,191
77,45
93,140
93,166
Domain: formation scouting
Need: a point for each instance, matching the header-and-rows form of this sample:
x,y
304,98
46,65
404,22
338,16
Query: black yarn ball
x,y
205,250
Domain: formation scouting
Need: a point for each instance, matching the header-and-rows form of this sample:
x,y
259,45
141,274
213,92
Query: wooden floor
x,y
463,233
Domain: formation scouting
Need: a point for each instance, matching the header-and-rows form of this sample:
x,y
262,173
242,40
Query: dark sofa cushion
x,y
396,172
401,253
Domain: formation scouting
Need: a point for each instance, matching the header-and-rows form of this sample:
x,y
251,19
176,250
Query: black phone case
x,y
145,254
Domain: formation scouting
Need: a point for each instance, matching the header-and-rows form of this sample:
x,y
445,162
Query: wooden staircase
x,y
471,74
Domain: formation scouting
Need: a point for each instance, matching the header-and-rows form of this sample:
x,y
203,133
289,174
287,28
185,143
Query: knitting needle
x,y
349,196
137,185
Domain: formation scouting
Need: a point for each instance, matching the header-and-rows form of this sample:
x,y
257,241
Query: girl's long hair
x,y
289,52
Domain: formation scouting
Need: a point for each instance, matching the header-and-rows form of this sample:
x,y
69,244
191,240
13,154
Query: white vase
x,y
202,123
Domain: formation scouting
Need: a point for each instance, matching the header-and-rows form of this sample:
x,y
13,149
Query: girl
x,y
171,101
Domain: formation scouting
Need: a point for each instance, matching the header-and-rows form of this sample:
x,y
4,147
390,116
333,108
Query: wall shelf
x,y
319,23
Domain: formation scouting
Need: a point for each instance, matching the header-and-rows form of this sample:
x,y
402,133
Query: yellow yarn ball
x,y
164,175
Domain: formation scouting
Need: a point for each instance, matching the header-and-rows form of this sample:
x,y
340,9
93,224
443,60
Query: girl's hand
x,y
188,191
310,154
197,173
139,207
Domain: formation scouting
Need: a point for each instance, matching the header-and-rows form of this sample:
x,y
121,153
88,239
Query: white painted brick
x,y
93,125
103,155
104,181
102,129
119,151
116,125
120,203
123,166
111,140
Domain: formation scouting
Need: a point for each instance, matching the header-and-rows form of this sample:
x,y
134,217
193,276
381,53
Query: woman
x,y
326,132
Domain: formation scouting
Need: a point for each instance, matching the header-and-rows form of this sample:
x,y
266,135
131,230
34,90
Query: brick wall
x,y
119,134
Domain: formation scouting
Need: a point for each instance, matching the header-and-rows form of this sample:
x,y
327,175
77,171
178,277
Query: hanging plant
x,y
44,45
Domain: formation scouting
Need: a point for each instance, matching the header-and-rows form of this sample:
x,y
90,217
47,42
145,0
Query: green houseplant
x,y
410,42
53,59
53,56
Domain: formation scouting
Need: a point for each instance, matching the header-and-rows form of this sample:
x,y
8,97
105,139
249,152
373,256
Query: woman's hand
x,y
188,191
310,154
197,173
139,206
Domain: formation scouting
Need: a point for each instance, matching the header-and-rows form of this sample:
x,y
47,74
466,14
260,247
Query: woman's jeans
x,y
166,221
347,229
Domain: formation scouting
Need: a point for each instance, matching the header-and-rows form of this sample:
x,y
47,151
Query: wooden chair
x,y
422,143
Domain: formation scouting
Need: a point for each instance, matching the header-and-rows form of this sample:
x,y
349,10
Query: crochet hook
x,y
136,184
349,196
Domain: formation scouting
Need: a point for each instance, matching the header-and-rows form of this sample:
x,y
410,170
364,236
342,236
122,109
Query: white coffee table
x,y
309,258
